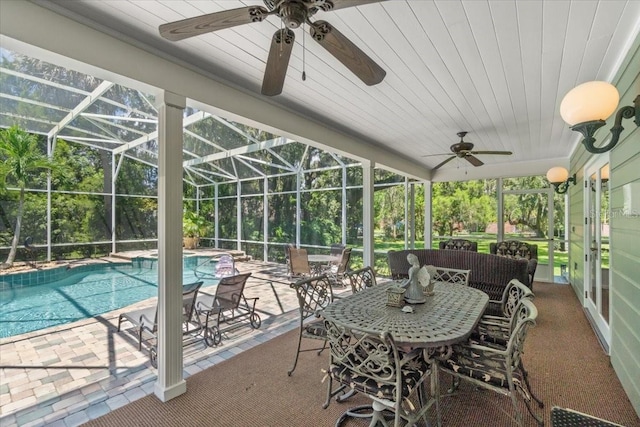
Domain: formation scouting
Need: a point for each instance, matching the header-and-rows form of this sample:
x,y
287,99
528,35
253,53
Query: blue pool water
x,y
87,292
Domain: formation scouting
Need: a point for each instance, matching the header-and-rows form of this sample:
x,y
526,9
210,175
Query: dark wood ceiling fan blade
x,y
444,163
345,51
343,4
433,155
500,153
473,160
277,62
190,27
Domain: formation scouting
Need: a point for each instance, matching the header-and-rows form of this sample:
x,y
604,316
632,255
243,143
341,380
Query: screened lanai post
x,y
428,194
170,382
368,257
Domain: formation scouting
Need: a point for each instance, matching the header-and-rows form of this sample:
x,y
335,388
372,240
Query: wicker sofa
x,y
489,273
459,245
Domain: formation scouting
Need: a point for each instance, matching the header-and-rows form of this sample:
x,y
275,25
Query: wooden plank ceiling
x,y
497,69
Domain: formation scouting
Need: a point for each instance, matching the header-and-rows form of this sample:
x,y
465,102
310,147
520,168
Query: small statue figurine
x,y
414,293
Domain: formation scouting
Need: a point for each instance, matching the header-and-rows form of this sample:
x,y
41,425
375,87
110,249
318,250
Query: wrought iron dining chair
x,y
314,294
371,364
497,329
361,279
449,275
496,368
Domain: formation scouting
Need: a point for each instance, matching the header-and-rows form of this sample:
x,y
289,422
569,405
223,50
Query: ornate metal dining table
x,y
447,317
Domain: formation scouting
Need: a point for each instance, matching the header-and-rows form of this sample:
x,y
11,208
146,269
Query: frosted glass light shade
x,y
557,174
589,101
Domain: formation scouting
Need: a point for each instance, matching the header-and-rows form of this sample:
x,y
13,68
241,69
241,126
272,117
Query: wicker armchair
x,y
518,250
458,245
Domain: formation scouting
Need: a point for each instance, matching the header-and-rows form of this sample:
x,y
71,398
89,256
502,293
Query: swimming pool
x,y
85,292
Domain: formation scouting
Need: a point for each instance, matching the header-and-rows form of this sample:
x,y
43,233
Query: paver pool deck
x,y
69,374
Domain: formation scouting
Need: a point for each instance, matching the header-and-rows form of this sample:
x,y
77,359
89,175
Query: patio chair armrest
x,y
486,349
146,323
487,318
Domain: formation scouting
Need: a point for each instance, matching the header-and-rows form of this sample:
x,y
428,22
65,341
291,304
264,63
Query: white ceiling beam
x,y
83,105
240,150
196,117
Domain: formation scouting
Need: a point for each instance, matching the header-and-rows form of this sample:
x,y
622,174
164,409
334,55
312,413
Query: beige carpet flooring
x,y
567,368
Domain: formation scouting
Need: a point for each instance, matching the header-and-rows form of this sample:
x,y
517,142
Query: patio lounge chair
x,y
227,305
146,319
336,272
298,263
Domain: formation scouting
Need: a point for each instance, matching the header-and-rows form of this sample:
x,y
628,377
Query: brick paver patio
x,y
69,374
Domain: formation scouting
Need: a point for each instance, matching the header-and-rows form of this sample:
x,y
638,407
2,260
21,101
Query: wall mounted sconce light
x,y
587,106
559,178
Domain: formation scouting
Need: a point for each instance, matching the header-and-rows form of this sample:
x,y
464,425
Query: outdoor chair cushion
x,y
481,365
412,372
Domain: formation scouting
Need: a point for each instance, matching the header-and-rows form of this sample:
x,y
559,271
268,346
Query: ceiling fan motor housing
x,y
462,148
293,13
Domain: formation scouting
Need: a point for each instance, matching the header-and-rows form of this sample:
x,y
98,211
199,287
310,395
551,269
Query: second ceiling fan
x,y
293,14
464,150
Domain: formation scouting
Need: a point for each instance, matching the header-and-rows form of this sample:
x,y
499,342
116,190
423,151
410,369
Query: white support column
x,y
239,216
344,205
500,213
298,207
428,226
114,175
265,219
406,212
49,156
216,215
367,212
170,382
410,226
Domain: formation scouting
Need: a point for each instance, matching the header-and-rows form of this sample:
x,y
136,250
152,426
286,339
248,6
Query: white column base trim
x,y
165,394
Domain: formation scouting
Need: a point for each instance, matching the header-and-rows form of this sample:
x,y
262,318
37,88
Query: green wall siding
x,y
624,235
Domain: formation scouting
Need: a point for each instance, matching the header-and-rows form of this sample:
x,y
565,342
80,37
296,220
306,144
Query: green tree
x,y
21,159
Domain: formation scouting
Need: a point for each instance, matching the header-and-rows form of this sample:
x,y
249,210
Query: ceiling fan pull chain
x,y
304,50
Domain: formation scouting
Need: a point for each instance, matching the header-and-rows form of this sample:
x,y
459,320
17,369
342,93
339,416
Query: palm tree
x,y
20,157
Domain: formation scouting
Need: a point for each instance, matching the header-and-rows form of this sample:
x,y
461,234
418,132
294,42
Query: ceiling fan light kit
x,y
587,106
293,14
